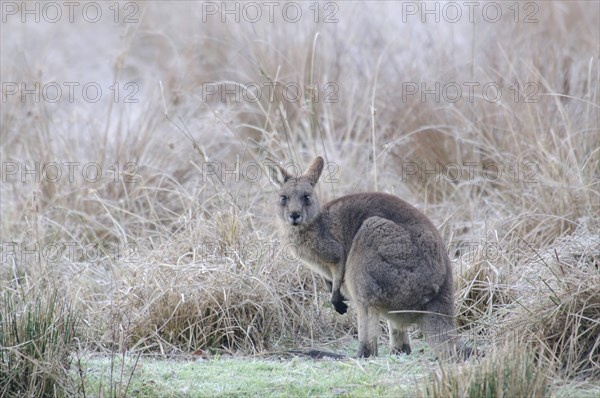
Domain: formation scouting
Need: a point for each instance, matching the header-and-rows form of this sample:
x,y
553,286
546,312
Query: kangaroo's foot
x,y
366,349
399,338
403,349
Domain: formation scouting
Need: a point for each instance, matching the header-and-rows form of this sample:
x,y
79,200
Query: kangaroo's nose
x,y
294,217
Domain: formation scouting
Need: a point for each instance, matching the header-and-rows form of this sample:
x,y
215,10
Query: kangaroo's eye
x,y
306,199
283,200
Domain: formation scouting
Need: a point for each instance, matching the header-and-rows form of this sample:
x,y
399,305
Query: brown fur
x,y
376,250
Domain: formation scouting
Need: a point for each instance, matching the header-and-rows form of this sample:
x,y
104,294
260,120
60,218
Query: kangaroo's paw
x,y
338,302
340,306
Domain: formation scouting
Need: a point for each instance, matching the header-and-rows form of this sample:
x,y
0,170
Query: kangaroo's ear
x,y
314,170
277,174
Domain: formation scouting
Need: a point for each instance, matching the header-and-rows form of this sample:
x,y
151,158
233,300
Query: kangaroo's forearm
x,y
337,299
338,276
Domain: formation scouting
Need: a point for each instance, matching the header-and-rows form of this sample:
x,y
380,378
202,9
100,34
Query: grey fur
x,y
376,250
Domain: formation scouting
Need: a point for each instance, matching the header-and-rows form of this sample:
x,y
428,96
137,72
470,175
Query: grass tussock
x,y
562,316
230,292
512,372
38,333
547,298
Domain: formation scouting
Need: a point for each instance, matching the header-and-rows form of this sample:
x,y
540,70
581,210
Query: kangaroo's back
x,y
346,215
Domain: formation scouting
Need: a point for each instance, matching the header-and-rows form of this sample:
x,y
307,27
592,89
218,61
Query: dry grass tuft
x,y
561,315
549,299
482,289
231,292
511,372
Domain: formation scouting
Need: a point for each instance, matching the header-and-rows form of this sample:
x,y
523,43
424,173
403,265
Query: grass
x,y
508,373
37,339
273,377
172,249
385,376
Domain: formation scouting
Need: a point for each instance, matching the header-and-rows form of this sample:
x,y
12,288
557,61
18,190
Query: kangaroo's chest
x,y
320,267
316,253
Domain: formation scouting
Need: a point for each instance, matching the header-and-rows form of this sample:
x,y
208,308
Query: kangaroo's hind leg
x,y
439,334
440,331
368,330
399,339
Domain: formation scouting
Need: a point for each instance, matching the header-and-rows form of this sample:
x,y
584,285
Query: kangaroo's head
x,y
297,204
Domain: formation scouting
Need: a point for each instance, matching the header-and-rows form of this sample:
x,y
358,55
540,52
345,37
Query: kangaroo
x,y
377,251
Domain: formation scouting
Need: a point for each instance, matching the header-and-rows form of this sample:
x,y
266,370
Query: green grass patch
x,y
384,376
226,377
